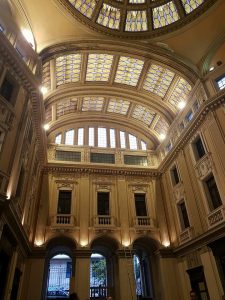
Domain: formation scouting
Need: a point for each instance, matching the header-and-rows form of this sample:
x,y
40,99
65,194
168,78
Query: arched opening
x,y
98,276
60,272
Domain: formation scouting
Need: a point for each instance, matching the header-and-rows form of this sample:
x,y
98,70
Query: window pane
x,y
213,192
143,145
175,176
103,203
58,139
140,205
64,202
133,142
122,139
69,139
91,137
183,215
199,148
102,138
221,83
81,136
112,138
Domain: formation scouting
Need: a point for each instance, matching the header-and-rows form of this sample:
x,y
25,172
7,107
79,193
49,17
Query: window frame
x,y
173,177
208,195
181,216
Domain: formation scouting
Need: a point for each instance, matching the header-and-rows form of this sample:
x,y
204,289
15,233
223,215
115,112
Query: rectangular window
x,y
58,138
80,137
103,204
199,150
135,160
102,137
91,136
68,155
69,138
189,116
196,106
132,142
64,202
122,139
140,205
143,145
212,193
104,158
174,175
112,138
221,83
7,88
184,220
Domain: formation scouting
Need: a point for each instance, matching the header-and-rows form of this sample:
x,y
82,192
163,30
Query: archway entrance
x,y
60,270
98,276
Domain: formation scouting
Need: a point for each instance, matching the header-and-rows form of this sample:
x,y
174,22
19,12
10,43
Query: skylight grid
x,y
180,92
164,15
158,80
92,103
132,142
102,137
129,70
46,77
161,127
136,20
66,107
68,68
118,106
190,5
109,16
86,7
143,114
99,67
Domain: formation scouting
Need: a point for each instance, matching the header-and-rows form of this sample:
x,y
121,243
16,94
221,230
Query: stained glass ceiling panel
x,y
180,92
99,67
129,70
158,80
143,114
190,5
164,15
136,20
109,16
118,106
86,7
161,127
92,103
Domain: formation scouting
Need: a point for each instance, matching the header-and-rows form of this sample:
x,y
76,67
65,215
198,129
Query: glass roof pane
x,y
109,16
143,114
66,107
99,67
118,106
190,5
86,7
180,92
46,80
92,103
129,70
164,15
136,20
68,68
161,127
158,80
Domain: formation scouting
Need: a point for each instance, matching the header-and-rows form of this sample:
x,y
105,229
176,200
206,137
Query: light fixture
x,y
211,68
46,127
166,244
83,243
28,36
162,136
43,89
39,242
126,243
181,104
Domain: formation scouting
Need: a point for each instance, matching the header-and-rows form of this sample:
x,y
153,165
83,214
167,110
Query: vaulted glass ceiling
x,y
135,17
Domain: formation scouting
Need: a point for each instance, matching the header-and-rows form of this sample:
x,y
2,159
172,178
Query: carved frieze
x,y
203,167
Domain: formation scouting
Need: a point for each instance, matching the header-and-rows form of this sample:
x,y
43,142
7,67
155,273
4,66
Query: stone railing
x,y
104,221
216,217
142,222
62,220
186,235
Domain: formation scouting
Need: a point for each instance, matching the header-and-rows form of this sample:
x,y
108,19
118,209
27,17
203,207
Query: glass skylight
x,y
180,92
102,137
136,20
91,136
158,80
129,70
69,137
80,140
161,127
92,103
118,106
66,107
164,15
99,67
143,114
68,68
136,1
109,16
86,7
190,5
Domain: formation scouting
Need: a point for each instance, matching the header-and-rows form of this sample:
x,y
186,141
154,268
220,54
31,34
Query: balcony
x,y
186,235
62,221
216,217
104,221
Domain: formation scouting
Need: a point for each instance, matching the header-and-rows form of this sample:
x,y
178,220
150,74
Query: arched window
x,y
98,276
